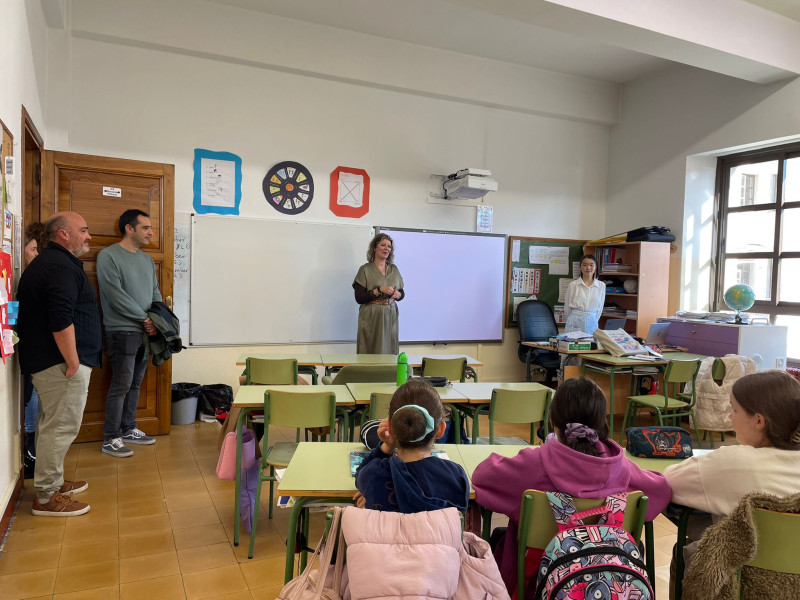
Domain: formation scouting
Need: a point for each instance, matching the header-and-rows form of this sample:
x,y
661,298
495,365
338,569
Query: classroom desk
x,y
251,397
319,471
334,360
569,354
361,393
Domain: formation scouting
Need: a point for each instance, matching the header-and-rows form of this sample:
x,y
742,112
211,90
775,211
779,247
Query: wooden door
x,y
100,189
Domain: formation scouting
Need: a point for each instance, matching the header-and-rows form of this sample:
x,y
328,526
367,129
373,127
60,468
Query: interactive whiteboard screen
x,y
453,283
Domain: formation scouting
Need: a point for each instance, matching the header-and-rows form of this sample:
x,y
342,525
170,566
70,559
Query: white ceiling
x,y
566,36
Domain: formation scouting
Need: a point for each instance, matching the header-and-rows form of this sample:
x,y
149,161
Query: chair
x,y
536,323
363,374
271,371
514,406
455,369
378,405
537,525
778,541
678,373
288,409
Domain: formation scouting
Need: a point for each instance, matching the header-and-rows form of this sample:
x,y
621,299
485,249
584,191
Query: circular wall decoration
x,y
288,187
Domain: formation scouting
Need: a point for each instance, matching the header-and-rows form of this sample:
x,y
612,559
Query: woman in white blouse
x,y
585,298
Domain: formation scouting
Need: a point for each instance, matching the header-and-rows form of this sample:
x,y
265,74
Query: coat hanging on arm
x,y
167,341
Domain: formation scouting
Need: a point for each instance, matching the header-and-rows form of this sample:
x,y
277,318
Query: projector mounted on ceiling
x,y
469,184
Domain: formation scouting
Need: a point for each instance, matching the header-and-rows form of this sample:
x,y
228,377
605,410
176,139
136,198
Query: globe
x,y
739,297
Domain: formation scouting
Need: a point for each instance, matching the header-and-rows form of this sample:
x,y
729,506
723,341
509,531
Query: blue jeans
x,y
32,412
125,354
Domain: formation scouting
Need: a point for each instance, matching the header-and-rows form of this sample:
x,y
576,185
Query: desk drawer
x,y
702,331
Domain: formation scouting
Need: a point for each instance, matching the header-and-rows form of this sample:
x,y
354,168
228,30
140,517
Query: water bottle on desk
x,y
402,368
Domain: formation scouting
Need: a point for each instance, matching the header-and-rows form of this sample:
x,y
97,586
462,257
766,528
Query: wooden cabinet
x,y
649,268
719,339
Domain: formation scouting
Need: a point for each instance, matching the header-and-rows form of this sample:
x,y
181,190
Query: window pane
x,y
793,346
791,189
790,280
750,232
753,184
754,272
790,225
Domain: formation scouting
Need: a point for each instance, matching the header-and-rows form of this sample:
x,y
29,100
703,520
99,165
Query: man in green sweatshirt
x,y
128,286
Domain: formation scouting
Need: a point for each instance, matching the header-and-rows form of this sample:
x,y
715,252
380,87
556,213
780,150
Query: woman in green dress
x,y
378,287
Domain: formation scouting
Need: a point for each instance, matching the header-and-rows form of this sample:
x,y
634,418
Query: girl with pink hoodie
x,y
579,459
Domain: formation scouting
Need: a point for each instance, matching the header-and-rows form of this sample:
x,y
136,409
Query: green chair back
x,y
271,371
295,409
379,405
365,374
516,406
678,373
537,525
455,369
778,541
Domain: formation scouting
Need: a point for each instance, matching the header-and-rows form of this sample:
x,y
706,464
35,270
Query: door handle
x,y
168,302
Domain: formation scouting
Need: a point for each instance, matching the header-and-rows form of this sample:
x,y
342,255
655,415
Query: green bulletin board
x,y
541,279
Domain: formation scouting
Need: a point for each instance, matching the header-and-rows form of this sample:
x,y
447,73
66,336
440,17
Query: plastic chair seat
x,y
280,454
658,402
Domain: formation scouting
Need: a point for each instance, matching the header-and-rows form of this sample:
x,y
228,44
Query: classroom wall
x,y
662,159
22,46
148,101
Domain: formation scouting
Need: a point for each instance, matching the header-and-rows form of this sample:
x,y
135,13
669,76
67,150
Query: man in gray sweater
x,y
128,286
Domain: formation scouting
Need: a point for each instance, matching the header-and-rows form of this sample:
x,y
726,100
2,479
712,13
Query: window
x,y
758,234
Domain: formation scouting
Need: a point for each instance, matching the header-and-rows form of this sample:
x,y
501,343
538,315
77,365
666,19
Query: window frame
x,y
774,306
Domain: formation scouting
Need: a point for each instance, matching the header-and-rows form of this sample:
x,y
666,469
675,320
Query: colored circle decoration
x,y
288,187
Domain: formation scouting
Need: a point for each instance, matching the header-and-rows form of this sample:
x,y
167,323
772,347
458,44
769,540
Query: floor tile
x,y
145,508
148,543
27,585
258,572
33,539
104,593
205,535
147,524
193,517
214,582
206,557
162,588
85,553
150,566
40,559
189,501
86,577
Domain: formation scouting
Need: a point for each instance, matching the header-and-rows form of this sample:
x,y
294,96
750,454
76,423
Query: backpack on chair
x,y
595,562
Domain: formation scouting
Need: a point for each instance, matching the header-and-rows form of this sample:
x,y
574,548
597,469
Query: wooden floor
x,y
160,527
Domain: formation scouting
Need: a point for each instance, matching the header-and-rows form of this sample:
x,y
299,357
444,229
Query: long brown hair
x,y
775,395
580,401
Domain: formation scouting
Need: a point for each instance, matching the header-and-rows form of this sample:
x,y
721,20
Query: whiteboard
x,y
259,281
454,285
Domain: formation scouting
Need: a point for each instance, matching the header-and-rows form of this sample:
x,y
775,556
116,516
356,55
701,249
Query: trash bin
x,y
184,403
215,401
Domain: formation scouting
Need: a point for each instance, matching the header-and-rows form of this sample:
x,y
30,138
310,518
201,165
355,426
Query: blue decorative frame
x,y
199,207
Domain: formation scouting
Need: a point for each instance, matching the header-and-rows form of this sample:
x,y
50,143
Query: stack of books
x,y
631,314
617,268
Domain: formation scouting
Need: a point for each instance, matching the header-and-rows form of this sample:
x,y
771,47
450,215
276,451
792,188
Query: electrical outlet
x,y
780,363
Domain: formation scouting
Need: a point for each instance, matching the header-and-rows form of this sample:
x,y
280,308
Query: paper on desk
x,y
646,357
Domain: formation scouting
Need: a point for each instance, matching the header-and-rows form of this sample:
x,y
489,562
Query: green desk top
x,y
481,393
660,464
361,392
302,359
253,395
626,361
320,469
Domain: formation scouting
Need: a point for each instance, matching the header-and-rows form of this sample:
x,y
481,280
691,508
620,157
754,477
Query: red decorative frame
x,y
342,210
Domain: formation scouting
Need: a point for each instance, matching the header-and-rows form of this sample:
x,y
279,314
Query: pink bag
x,y
226,465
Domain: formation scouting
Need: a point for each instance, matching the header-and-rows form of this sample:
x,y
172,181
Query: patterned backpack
x,y
591,562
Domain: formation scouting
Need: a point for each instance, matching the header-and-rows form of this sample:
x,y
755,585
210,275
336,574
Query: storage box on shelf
x,y
718,339
649,267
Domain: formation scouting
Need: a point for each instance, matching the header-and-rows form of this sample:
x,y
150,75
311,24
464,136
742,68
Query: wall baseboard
x,y
13,501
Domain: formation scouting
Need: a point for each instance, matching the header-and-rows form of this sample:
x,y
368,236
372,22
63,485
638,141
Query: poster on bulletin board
x,y
539,268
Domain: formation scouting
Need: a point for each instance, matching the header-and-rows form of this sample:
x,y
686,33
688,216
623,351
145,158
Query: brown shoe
x,y
73,487
59,506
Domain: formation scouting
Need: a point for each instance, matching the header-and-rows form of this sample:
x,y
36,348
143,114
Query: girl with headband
x,y
400,474
579,458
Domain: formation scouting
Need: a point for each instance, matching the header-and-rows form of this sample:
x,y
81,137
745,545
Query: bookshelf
x,y
649,267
